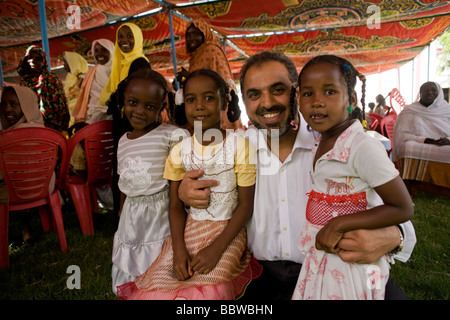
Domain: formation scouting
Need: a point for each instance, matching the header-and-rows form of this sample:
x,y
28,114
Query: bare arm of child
x,y
177,220
397,208
207,258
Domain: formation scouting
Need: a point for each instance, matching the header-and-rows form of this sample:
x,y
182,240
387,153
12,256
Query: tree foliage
x,y
444,59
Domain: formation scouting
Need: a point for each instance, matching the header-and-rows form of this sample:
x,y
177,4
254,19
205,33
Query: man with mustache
x,y
284,158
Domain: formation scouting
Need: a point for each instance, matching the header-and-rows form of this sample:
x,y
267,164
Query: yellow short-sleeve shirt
x,y
244,159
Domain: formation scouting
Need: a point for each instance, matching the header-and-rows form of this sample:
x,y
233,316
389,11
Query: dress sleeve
x,y
245,163
373,164
174,170
56,113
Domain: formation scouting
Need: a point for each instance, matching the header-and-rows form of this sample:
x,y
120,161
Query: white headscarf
x,y
96,78
417,122
103,71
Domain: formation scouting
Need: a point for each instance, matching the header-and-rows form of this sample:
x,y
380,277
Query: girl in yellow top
x,y
206,256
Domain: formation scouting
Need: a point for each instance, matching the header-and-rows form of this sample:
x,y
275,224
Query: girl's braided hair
x,y
350,75
234,111
144,74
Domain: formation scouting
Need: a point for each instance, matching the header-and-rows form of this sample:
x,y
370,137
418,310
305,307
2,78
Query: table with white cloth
x,y
385,141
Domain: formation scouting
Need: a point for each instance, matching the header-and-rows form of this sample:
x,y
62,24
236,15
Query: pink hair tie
x,y
294,125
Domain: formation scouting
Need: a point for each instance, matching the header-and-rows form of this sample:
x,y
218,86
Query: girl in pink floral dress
x,y
354,186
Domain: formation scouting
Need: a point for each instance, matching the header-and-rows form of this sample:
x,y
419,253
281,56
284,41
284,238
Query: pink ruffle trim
x,y
233,289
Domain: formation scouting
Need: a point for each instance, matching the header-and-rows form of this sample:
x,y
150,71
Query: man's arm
x,y
194,192
367,246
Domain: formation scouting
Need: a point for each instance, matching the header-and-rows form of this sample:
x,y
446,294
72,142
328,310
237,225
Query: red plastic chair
x,y
387,128
28,157
375,126
376,118
396,96
99,149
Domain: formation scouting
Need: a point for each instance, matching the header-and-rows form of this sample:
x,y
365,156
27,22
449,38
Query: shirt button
x,y
287,254
285,228
283,199
282,169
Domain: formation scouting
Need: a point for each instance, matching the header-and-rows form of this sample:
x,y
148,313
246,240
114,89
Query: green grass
x,y
426,276
39,272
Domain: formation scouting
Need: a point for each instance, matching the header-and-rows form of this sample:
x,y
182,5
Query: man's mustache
x,y
276,108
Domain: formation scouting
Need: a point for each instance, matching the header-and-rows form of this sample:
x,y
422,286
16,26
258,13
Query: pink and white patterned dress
x,y
342,183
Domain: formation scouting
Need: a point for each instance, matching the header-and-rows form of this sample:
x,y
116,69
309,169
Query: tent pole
x,y
412,82
44,34
428,63
2,83
174,52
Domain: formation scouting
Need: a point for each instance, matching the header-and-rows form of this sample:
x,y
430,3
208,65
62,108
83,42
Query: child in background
x,y
206,256
354,186
144,201
19,109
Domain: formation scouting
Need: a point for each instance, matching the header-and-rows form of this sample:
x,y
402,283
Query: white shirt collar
x,y
305,138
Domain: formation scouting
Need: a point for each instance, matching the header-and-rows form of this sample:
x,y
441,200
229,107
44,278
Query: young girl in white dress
x,y
144,204
206,256
354,186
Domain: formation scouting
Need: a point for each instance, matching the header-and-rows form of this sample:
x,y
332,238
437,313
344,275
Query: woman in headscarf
x,y
206,53
33,68
88,109
19,109
76,67
128,58
422,133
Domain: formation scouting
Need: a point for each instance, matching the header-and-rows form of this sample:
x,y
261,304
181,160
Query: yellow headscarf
x,y
122,62
78,65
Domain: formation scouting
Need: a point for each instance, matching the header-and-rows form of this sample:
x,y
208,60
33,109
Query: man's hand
x,y
367,246
194,192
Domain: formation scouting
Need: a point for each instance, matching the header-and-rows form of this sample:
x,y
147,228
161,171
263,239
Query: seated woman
x,y
19,109
76,67
87,108
206,53
421,138
33,69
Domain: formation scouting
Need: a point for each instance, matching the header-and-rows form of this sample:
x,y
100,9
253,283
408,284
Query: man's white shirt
x,y
280,200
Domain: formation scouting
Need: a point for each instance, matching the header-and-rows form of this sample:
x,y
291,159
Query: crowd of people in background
x,y
288,207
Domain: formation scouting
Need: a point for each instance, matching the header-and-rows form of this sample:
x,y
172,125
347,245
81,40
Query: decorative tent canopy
x,y
375,35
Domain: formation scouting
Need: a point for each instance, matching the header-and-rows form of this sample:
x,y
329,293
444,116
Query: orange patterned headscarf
x,y
209,55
